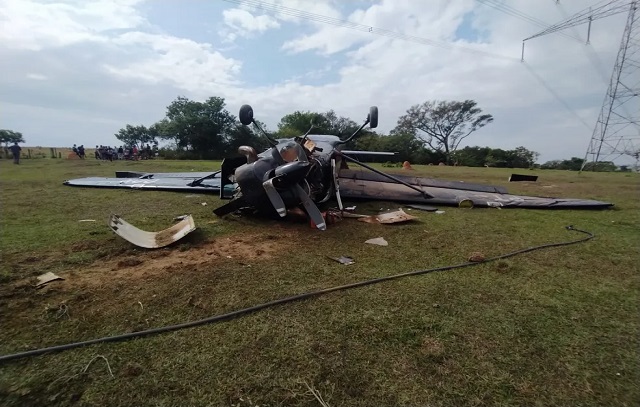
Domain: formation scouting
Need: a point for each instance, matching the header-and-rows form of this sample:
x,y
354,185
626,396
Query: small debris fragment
x,y
181,217
396,216
476,257
343,260
423,208
439,212
350,208
203,204
378,241
87,220
521,177
47,278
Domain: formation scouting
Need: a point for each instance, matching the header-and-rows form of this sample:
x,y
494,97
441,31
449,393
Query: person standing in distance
x,y
15,151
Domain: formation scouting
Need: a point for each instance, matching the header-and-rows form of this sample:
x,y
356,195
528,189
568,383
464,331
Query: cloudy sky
x,y
76,71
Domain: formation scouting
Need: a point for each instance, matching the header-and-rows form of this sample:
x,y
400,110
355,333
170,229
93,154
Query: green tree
x,y
443,124
137,135
9,137
298,123
472,156
198,127
522,157
239,135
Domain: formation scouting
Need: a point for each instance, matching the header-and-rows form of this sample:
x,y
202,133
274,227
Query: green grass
x,y
553,327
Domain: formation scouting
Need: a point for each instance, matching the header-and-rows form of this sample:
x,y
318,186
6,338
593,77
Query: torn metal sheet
x,y
151,240
47,278
396,216
343,260
522,177
378,241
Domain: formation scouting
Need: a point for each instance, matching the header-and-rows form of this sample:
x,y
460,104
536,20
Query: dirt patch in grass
x,y
131,264
112,286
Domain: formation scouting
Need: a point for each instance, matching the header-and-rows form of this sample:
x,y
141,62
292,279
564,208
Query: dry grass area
x,y
554,327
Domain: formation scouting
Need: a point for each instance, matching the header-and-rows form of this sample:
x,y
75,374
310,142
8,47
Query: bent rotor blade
x,y
312,209
275,198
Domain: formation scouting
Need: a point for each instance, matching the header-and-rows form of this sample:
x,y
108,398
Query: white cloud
x,y
388,17
33,25
183,63
133,69
245,23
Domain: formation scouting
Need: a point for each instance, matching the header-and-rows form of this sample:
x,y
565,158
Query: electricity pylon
x,y
617,130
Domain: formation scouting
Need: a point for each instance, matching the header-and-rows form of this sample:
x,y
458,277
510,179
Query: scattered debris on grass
x,y
396,216
343,260
439,212
87,220
378,241
521,177
151,240
203,203
477,257
46,278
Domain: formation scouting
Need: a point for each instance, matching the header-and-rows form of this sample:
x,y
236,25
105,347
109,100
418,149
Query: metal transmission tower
x,y
617,130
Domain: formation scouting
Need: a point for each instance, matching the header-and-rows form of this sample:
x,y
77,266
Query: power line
x,y
278,9
600,10
555,94
520,15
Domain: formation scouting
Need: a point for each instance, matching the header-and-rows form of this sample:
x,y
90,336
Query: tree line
x,y
428,133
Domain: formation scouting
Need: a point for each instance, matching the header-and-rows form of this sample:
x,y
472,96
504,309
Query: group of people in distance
x,y
119,153
79,151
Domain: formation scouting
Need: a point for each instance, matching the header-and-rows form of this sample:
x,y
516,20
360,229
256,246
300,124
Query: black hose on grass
x,y
244,311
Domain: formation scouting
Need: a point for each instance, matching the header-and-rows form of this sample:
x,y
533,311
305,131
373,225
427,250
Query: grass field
x,y
554,327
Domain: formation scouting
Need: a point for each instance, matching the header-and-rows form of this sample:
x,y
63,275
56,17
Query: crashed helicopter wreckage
x,y
312,170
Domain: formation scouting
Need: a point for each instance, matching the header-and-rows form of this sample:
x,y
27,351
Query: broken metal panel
x,y
151,240
361,189
47,278
522,177
396,216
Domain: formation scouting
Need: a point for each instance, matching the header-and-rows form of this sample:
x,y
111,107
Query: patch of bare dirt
x,y
138,279
154,263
